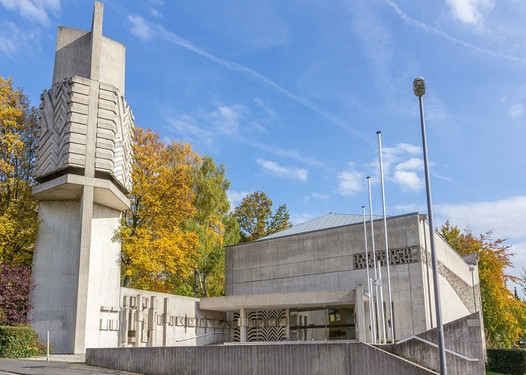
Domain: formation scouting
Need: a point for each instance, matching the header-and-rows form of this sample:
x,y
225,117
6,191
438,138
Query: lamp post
x,y
419,88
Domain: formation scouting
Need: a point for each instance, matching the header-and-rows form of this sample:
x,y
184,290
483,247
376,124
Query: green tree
x,y
254,215
215,227
504,315
18,208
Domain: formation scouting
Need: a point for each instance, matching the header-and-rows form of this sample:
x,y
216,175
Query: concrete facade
x,y
333,259
83,167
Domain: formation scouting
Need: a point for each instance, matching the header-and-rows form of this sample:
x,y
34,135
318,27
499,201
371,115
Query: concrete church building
x,y
313,278
306,283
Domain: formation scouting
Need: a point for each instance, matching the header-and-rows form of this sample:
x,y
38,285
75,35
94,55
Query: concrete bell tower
x,y
83,167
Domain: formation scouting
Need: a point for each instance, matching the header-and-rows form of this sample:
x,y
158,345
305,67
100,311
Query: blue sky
x,y
289,96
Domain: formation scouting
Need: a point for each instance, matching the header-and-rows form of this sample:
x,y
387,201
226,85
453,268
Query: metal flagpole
x,y
387,261
419,88
373,313
376,270
382,302
370,295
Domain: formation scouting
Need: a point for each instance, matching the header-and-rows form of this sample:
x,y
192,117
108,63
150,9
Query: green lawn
x,y
493,373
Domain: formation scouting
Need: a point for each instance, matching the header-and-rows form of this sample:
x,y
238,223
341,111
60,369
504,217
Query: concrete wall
x,y
324,260
104,281
291,359
56,274
73,57
55,267
160,319
462,336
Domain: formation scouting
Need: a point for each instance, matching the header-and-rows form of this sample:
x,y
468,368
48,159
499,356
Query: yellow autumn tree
x,y
504,315
18,208
155,244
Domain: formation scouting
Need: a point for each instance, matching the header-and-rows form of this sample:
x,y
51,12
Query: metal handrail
x,y
469,359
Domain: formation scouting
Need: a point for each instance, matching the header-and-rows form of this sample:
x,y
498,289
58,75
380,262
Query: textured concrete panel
x,y
160,319
62,139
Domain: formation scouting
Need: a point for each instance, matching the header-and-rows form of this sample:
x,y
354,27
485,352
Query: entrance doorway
x,y
336,323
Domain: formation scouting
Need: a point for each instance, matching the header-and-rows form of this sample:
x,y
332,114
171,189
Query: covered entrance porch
x,y
302,316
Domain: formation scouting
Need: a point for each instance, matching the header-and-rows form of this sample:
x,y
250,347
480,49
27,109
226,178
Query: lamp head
x,y
419,86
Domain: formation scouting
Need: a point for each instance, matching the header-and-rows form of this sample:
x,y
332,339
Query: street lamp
x,y
419,88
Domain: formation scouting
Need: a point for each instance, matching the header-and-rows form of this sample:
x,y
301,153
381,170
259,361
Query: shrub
x,y
507,361
20,342
15,289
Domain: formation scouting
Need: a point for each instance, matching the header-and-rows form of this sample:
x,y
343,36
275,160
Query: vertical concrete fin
x,y
96,40
86,216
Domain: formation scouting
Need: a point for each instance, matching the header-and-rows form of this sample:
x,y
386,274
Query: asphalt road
x,y
53,367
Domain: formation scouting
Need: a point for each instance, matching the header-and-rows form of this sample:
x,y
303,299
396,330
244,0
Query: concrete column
x,y
165,320
152,323
86,215
361,328
124,326
242,325
138,321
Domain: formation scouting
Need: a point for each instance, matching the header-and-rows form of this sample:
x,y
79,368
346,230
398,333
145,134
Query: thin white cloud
x,y
408,180
350,181
147,29
431,30
33,10
406,176
227,118
469,11
186,127
516,110
413,164
401,167
140,28
13,40
196,128
506,217
319,196
287,153
281,171
392,155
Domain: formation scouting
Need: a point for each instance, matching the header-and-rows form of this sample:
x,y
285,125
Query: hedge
x,y
507,361
20,342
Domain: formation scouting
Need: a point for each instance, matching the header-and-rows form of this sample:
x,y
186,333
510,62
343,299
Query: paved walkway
x,y
57,365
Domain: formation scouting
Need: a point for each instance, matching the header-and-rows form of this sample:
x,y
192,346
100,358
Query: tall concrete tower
x,y
83,167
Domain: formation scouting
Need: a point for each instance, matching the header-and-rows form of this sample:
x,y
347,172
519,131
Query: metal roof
x,y
331,220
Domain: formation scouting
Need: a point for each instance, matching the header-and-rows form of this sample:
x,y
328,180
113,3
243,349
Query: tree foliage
x,y
15,290
155,244
254,215
504,315
174,234
18,208
215,227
